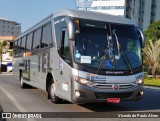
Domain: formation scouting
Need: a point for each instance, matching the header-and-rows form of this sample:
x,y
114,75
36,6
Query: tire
x,y
22,84
55,99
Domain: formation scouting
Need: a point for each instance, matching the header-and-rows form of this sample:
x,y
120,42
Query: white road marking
x,y
152,87
6,74
19,106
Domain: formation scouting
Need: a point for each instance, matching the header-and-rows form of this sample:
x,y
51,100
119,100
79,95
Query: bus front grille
x,y
104,85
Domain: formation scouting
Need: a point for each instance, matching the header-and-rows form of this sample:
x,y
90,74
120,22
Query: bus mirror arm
x,y
141,37
71,28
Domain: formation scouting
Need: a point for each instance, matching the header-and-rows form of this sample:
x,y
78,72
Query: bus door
x,y
65,69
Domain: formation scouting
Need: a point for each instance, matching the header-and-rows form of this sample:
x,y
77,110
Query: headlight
x,y
84,81
81,80
139,82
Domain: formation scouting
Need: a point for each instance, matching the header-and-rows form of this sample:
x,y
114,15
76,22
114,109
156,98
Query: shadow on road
x,y
150,101
1,111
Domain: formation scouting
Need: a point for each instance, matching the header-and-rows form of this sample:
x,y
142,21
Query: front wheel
x,y
52,94
22,84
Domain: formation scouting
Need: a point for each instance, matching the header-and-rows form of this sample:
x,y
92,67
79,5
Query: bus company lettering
x,y
115,72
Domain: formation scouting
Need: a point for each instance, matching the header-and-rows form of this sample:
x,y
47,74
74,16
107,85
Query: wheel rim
x,y
52,92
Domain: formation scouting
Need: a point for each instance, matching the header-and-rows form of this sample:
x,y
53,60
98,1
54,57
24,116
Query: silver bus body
x,y
74,82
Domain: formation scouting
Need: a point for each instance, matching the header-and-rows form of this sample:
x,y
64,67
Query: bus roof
x,y
91,15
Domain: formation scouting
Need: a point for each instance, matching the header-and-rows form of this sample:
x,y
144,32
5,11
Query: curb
x,y
152,87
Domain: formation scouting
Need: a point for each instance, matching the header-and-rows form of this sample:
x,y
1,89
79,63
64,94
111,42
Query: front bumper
x,y
94,95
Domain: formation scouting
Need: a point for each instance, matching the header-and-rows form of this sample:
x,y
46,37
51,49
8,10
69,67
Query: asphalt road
x,y
15,99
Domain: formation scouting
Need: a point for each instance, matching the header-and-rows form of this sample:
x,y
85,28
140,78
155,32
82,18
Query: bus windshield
x,y
108,46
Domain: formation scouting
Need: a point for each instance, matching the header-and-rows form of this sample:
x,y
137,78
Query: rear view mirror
x,y
71,28
142,37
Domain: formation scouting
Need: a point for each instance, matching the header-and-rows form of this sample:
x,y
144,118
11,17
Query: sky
x,y
30,12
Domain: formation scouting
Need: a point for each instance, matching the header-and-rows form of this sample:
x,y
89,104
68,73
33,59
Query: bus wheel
x,y
22,84
52,94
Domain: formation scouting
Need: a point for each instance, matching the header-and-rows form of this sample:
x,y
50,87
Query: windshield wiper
x,y
103,56
119,47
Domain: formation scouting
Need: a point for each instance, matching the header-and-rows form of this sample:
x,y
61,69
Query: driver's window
x,y
65,46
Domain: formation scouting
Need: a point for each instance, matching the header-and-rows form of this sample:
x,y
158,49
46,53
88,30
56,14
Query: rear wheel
x,y
53,97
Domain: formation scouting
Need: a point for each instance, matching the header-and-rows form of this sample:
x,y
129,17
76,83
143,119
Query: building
x,y
105,6
9,30
142,12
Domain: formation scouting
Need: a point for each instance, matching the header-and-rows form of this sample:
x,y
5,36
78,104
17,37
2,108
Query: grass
x,y
152,82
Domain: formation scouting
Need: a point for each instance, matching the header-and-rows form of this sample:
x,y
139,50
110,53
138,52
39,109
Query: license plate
x,y
113,100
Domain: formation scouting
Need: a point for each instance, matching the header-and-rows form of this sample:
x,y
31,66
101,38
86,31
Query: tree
x,y
153,31
2,45
151,54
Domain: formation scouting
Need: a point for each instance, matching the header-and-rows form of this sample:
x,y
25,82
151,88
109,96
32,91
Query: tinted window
x,y
23,44
34,38
65,47
58,31
15,46
118,43
47,36
29,42
19,46
37,38
15,43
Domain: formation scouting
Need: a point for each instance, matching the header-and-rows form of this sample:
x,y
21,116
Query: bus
x,y
82,57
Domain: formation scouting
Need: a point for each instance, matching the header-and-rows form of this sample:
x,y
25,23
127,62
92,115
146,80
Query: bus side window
x,y
23,44
37,39
15,47
19,46
65,46
29,42
46,36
